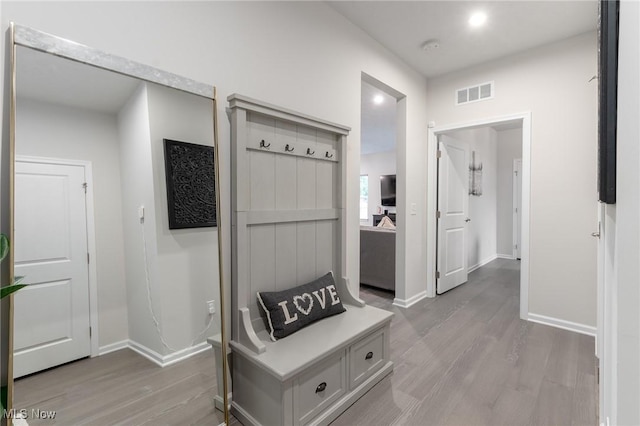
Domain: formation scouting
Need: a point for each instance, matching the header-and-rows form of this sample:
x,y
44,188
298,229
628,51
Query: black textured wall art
x,y
191,191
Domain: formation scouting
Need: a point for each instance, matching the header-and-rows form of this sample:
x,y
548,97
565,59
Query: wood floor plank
x,y
584,405
123,387
553,406
463,358
466,358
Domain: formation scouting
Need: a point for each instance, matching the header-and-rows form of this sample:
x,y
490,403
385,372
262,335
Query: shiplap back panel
x,y
288,223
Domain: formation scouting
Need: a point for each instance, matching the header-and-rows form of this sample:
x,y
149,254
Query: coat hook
x,y
264,145
327,155
286,148
309,152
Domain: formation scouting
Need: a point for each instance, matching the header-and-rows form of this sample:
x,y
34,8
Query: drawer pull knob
x,y
321,387
369,355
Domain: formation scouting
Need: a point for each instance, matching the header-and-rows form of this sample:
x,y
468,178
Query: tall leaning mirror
x,y
116,230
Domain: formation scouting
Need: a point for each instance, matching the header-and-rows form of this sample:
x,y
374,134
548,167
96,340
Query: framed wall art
x,y
608,99
191,193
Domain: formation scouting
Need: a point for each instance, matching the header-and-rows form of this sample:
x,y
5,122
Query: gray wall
x,y
55,131
266,62
509,149
622,241
137,190
551,83
187,263
481,246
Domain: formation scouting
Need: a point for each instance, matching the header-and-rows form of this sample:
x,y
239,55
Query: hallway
x,y
466,358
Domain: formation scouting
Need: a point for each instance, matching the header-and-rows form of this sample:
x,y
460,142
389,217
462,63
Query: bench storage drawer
x,y
366,357
320,387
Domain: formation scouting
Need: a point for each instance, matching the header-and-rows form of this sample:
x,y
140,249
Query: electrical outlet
x,y
211,305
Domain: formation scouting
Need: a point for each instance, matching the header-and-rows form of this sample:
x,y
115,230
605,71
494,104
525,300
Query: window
x,y
364,197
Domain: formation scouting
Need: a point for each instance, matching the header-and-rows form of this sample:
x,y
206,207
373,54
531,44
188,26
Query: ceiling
x,y
404,26
49,78
512,26
378,120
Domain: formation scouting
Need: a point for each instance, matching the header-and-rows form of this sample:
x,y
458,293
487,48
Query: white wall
x,y
376,165
552,83
187,258
56,131
621,384
136,171
248,47
509,149
481,236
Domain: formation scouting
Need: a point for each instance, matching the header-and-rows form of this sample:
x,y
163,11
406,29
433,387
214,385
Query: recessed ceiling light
x,y
378,99
478,19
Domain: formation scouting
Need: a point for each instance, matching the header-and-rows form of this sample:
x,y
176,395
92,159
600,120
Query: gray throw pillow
x,y
287,311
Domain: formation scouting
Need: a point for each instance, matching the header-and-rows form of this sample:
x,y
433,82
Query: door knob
x,y
467,220
595,234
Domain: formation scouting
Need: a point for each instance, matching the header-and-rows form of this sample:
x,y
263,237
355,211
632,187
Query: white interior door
x,y
51,316
517,207
453,208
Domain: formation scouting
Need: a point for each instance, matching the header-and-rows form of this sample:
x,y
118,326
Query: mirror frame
x,y
28,37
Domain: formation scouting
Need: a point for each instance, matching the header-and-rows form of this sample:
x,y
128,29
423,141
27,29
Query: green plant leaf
x,y
5,291
4,246
3,397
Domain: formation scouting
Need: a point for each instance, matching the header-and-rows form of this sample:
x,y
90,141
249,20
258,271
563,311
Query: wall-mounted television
x,y
388,190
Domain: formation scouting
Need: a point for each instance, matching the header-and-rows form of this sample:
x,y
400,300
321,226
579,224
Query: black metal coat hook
x,y
309,152
286,148
327,155
264,145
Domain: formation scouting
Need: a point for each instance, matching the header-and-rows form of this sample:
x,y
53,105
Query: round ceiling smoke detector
x,y
430,44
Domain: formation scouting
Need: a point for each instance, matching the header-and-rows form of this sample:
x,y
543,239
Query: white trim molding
x,y
563,324
112,347
432,183
482,263
151,355
505,256
406,303
172,358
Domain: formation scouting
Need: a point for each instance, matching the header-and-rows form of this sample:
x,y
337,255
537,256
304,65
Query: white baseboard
x,y
185,353
505,256
112,347
405,303
482,263
565,325
166,360
150,354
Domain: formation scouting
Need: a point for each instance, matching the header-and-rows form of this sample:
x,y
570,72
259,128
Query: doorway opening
x,y
382,187
479,198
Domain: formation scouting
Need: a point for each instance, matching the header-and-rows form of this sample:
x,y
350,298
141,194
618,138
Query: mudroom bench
x,y
313,375
289,228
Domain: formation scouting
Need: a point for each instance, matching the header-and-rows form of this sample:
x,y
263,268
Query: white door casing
x,y
517,208
434,132
52,315
453,207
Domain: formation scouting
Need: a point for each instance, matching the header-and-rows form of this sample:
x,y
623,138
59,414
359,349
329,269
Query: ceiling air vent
x,y
480,92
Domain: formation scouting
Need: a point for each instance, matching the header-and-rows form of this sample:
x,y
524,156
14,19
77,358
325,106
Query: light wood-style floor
x,y
123,388
465,358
